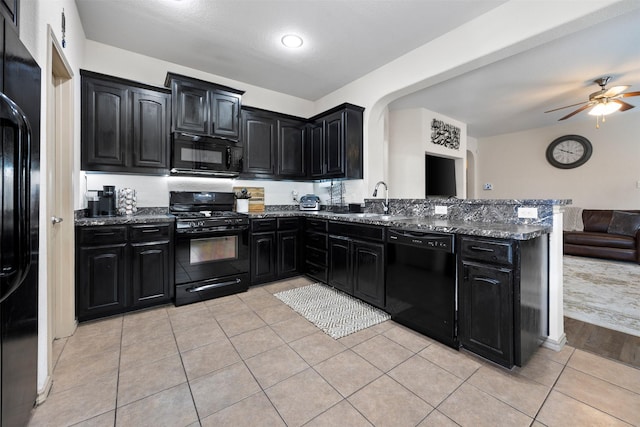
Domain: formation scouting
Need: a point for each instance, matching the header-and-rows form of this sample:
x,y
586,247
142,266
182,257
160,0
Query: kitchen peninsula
x,y
504,250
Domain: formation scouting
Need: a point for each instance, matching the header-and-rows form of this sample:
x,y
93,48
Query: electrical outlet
x,y
528,213
488,186
637,184
441,210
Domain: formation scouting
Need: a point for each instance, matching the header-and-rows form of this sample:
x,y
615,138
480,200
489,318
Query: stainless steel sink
x,y
378,217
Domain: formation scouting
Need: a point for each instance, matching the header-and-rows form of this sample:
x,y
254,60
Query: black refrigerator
x,y
20,136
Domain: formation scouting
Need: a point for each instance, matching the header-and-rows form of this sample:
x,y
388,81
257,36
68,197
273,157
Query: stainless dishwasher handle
x,y
212,285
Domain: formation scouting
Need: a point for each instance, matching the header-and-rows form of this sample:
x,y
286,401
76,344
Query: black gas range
x,y
212,246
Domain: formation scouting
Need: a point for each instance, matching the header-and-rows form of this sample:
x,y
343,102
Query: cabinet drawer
x,y
288,223
96,236
316,240
148,232
493,251
267,224
311,224
316,256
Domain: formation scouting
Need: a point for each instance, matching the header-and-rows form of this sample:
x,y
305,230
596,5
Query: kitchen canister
x,y
127,201
242,205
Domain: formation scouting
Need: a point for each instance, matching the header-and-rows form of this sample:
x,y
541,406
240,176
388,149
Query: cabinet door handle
x,y
151,230
487,280
480,249
105,234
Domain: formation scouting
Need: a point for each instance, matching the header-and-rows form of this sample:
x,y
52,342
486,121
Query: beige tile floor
x,y
249,360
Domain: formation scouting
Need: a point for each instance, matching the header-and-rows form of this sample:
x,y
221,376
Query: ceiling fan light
x,y
604,108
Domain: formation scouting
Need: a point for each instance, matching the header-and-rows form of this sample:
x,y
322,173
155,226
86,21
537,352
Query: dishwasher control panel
x,y
438,241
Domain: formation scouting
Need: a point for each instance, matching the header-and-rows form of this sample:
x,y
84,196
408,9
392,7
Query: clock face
x,y
569,151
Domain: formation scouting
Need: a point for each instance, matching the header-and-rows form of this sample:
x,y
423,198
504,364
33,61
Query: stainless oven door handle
x,y
212,285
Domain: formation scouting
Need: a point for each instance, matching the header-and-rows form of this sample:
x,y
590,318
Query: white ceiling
x,y
346,39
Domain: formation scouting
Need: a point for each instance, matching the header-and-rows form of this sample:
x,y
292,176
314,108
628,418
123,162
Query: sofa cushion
x,y
624,223
599,239
596,220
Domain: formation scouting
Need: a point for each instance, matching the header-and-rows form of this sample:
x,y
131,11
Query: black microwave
x,y
200,155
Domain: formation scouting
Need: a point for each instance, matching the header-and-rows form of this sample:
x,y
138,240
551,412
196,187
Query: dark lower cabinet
x,y
151,273
316,243
263,257
339,264
502,297
122,268
368,272
356,265
288,253
486,317
100,282
275,249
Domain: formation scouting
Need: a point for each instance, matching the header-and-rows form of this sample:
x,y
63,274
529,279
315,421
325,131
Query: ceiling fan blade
x,y
613,91
567,106
584,107
624,105
628,94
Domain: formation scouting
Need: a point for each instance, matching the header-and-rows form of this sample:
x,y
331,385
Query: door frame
x,y
59,190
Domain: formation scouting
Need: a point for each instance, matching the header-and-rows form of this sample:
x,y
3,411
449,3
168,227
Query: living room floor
x,y
248,359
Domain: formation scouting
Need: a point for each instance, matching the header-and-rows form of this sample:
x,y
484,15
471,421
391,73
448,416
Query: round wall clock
x,y
569,151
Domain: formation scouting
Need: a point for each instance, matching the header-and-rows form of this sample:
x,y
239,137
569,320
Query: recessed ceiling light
x,y
292,41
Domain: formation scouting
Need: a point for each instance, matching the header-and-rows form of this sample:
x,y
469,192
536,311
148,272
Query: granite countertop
x,y
485,229
123,220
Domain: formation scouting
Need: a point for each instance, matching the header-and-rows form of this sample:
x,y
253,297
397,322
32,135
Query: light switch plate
x,y
528,213
441,210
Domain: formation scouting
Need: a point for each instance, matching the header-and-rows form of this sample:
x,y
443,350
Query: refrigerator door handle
x,y
14,228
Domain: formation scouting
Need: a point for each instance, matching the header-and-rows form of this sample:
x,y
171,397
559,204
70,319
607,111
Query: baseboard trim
x,y
44,392
555,345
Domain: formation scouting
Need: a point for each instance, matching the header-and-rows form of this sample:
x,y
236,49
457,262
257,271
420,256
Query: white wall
x,y
409,140
511,28
516,166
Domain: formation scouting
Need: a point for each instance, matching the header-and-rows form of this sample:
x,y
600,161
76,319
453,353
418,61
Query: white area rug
x,y
603,293
335,312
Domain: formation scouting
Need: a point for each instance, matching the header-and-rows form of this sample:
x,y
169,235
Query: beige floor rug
x,y
335,312
603,293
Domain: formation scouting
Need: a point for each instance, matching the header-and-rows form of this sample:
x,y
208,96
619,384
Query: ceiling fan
x,y
604,102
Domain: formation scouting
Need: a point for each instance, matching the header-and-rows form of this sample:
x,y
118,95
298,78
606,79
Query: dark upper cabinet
x,y
291,149
317,165
204,108
10,9
125,126
225,113
150,144
105,131
274,144
323,147
336,143
259,139
190,108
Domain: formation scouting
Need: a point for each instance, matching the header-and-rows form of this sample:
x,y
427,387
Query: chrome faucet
x,y
385,204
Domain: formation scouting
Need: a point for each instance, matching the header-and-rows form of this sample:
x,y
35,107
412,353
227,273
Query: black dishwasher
x,y
421,283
